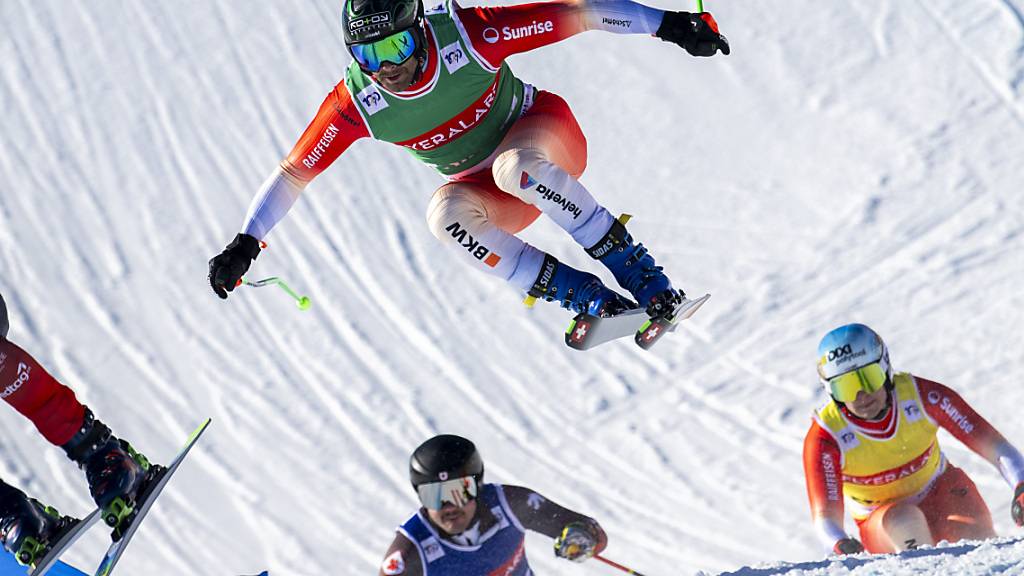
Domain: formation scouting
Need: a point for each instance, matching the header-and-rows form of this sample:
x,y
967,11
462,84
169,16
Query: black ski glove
x,y
848,546
1017,508
228,267
697,33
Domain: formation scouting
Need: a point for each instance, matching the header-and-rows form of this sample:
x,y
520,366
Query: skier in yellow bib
x,y
874,445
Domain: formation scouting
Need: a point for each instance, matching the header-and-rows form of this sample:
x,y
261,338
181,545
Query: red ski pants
x,y
954,510
29,388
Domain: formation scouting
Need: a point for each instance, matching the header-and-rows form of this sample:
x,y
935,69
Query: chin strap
x,y
418,75
422,53
423,58
468,537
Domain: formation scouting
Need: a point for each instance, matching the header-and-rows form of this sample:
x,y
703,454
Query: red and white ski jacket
x,y
495,34
825,470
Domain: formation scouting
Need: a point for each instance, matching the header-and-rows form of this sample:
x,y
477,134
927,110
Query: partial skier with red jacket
x,y
114,470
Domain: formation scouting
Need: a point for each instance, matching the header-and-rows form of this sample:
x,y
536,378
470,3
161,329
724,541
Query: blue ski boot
x,y
27,527
634,270
114,470
578,291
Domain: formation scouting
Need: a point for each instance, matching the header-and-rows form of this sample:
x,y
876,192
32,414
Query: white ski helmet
x,y
849,348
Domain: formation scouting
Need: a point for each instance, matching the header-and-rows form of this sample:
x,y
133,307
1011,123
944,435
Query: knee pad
x,y
514,172
457,216
453,206
530,176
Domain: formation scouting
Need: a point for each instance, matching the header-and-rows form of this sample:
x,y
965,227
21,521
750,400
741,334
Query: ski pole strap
x,y
617,565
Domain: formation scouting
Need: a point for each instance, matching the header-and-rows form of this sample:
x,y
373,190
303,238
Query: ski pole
x,y
617,565
700,5
302,302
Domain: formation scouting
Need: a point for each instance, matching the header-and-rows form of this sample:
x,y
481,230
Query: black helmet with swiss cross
x,y
445,457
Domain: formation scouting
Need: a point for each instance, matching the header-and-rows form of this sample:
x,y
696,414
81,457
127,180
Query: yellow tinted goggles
x,y
870,378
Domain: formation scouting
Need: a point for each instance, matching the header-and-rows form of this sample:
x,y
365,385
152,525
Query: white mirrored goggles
x,y
457,492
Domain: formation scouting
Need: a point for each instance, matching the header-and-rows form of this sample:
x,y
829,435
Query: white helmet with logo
x,y
849,348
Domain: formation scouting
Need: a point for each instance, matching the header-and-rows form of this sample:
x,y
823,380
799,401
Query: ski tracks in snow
x,y
136,134
978,50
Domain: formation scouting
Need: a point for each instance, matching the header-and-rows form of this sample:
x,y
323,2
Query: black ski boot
x,y
27,527
634,269
116,472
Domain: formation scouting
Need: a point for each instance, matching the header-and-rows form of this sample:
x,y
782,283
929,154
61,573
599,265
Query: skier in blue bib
x,y
468,528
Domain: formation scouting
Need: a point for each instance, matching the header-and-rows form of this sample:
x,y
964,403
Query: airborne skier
x,y
874,443
438,84
114,471
468,527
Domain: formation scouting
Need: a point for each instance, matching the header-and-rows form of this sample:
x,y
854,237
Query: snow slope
x,y
848,162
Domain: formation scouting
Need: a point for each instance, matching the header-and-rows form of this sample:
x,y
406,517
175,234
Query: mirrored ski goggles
x,y
457,491
870,378
396,48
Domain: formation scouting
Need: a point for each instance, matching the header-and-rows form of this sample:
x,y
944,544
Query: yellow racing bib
x,y
877,471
